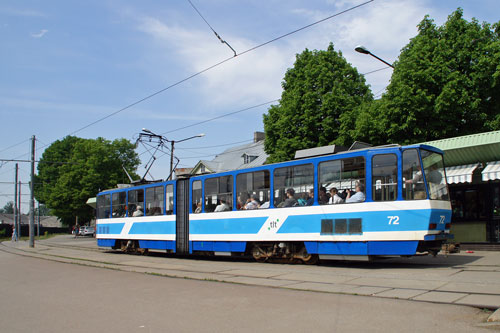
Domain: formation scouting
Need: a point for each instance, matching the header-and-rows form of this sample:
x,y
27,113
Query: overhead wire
x,y
213,30
221,116
218,64
207,69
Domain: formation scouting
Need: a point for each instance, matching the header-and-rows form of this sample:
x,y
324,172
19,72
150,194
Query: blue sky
x,y
67,64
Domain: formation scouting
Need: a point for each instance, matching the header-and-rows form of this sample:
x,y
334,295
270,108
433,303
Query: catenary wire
x,y
216,65
213,30
209,68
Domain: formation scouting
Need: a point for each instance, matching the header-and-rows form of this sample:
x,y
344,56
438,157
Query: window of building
x,y
292,184
196,199
119,200
248,158
342,174
103,206
253,186
136,203
170,199
219,194
154,201
384,177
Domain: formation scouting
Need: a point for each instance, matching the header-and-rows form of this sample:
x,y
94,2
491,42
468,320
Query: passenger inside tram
x,y
358,196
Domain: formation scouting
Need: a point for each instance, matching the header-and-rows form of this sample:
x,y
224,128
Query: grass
x,y
46,235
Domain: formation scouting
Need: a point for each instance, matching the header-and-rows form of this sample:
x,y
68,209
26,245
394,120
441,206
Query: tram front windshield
x,y
435,177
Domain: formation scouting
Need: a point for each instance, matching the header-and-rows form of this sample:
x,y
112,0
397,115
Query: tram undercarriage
x,y
284,252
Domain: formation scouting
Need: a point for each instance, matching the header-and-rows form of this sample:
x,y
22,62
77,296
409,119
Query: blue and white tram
x,y
281,211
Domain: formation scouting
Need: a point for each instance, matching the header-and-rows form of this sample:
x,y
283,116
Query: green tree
x,y
42,210
89,165
8,208
320,87
445,84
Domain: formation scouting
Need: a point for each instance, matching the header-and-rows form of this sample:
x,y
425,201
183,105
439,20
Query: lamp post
x,y
364,50
172,142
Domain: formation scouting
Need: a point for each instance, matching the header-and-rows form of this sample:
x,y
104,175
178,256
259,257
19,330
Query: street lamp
x,y
172,142
364,50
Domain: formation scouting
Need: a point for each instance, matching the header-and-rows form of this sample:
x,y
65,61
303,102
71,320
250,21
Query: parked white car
x,y
86,231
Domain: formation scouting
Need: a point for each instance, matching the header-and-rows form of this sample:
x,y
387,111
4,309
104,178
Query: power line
x,y
221,116
216,34
14,145
209,68
216,146
377,70
216,65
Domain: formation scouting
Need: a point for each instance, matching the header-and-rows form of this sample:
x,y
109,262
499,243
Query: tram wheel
x,y
310,259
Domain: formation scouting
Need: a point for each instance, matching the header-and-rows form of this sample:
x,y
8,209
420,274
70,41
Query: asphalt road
x,y
44,296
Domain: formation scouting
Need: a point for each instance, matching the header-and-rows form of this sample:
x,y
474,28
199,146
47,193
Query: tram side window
x,y
219,194
413,181
253,190
292,184
170,199
342,175
119,200
136,203
154,201
196,199
384,177
103,206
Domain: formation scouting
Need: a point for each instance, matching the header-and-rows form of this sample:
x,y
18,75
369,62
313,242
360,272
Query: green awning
x,y
469,149
91,202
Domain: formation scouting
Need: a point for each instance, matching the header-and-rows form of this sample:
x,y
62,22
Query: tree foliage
x,y
89,165
8,208
446,83
319,88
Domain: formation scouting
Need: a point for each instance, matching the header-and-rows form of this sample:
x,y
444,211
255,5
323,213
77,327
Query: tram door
x,y
182,217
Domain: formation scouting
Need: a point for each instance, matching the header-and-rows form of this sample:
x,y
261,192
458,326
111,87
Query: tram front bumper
x,y
441,236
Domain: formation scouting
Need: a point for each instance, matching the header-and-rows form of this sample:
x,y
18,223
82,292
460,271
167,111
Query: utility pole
x,y
32,191
16,220
19,217
171,160
38,225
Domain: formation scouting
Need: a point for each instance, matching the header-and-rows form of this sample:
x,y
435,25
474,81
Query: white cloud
x,y
39,34
250,78
384,27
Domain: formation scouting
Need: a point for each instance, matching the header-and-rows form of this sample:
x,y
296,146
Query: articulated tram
x,y
282,212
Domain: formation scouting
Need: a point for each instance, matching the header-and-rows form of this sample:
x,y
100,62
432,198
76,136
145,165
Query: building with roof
x,y
238,157
473,174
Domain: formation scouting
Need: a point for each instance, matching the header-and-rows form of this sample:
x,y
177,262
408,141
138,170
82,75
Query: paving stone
x,y
397,283
483,301
324,278
495,316
325,287
474,276
253,273
401,293
258,281
476,288
368,291
441,297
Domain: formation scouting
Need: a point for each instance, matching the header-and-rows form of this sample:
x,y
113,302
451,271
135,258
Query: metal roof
x,y
232,158
469,149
